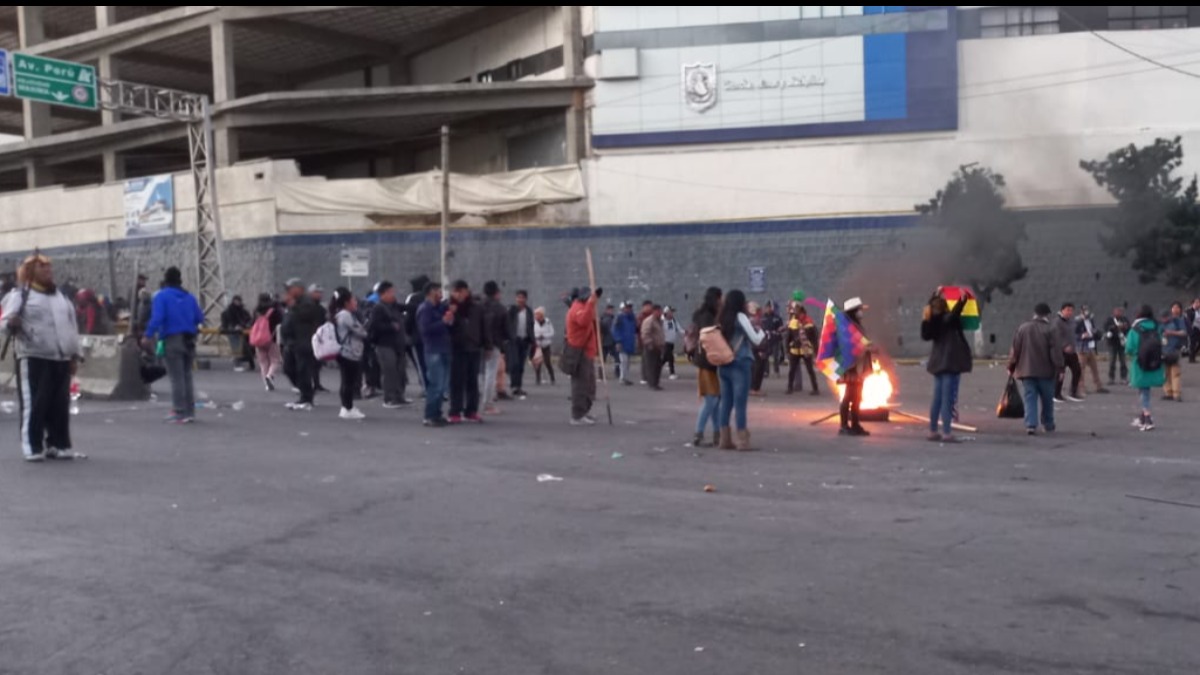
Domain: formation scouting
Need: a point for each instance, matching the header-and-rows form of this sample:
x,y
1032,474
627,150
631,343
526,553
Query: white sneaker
x,y
300,407
352,414
1072,399
589,419
674,377
584,421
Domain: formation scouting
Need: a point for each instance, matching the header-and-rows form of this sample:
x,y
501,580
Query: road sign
x,y
356,262
37,78
5,88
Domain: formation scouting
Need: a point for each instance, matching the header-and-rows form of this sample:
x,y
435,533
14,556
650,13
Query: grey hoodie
x,y
48,331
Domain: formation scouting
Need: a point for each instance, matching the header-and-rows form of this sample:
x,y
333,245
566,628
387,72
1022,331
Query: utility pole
x,y
445,197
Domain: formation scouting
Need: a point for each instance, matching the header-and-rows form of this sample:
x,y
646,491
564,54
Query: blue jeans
x,y
1145,396
437,372
735,391
708,411
945,397
1039,389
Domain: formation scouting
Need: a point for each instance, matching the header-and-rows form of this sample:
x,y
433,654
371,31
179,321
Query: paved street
x,y
266,542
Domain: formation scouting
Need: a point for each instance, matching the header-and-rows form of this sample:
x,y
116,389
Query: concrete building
x,y
717,144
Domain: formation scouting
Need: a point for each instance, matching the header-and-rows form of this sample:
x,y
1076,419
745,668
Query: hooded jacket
x,y
1037,352
49,330
175,312
1143,329
951,353
468,333
625,332
301,322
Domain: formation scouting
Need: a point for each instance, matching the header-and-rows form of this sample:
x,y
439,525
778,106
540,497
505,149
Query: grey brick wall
x,y
893,264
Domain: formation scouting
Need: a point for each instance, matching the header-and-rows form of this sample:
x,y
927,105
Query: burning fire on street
x,y
877,389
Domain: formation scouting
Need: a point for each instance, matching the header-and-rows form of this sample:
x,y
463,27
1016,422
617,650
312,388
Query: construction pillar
x,y
224,89
31,27
114,164
573,56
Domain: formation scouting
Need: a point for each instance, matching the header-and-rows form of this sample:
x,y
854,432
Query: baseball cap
x,y
294,282
316,288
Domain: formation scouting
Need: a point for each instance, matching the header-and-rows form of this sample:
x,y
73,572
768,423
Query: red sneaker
x,y
475,419
455,419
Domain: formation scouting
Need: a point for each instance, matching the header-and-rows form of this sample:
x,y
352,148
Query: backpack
x,y
1150,350
260,333
714,348
325,342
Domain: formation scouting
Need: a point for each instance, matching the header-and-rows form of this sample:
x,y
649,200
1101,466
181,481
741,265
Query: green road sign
x,y
37,78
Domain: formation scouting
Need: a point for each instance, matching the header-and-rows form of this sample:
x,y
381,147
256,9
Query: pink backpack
x,y
260,332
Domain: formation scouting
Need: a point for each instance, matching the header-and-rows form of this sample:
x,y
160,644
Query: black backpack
x,y
1150,350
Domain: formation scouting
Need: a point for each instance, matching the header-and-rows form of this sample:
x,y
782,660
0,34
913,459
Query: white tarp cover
x,y
421,194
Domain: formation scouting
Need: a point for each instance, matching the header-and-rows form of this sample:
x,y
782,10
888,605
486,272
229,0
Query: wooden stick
x,y
599,343
1164,501
825,418
960,427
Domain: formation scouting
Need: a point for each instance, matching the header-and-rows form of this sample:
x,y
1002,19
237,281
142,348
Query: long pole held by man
x,y
599,341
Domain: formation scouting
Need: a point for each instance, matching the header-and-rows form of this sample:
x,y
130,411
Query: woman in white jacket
x,y
543,335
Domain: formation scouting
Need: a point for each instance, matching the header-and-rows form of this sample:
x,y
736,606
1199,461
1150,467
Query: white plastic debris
x,y
238,405
699,649
547,478
8,407
837,486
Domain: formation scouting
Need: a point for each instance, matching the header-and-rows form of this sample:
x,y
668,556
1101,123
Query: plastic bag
x,y
1012,405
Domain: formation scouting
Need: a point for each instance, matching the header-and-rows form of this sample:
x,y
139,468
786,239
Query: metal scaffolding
x,y
194,111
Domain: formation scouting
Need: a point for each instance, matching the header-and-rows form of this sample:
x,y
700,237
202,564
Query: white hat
x,y
853,304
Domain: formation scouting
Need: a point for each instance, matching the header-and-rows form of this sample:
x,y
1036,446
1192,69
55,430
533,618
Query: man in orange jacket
x,y
583,341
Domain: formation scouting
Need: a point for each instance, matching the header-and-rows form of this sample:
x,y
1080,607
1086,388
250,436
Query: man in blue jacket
x,y
175,319
625,333
434,320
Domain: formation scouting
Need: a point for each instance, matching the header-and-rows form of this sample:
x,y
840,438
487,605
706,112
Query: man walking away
x,y
1192,317
1115,330
175,319
1086,340
674,334
496,340
1145,346
43,323
1175,330
412,304
581,350
434,320
1037,359
520,330
388,336
654,341
301,322
467,343
1065,325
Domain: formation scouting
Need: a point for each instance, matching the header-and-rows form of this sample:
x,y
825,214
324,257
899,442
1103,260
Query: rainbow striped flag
x,y
970,314
842,343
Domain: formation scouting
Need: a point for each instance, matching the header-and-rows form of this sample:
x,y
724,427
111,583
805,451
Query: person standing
x,y
468,341
742,337
625,333
1087,335
584,346
950,358
673,334
543,334
1145,346
762,355
90,314
520,330
1175,330
496,341
175,319
235,321
1037,359
708,381
606,337
343,307
42,321
855,374
1115,330
388,335
654,342
268,316
647,310
1192,318
303,319
412,304
1065,325
434,321
317,294
775,327
802,346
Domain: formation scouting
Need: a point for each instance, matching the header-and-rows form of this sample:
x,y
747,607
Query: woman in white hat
x,y
853,377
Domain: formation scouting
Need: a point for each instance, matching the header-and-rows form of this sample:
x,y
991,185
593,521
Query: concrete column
x,y
224,89
573,56
114,164
36,116
399,72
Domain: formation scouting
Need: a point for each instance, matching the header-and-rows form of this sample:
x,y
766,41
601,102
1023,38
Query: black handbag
x,y
151,369
1012,405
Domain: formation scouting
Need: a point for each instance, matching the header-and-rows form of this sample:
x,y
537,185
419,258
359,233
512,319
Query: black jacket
x,y
235,318
513,313
1114,331
951,351
301,322
468,333
411,305
386,326
495,318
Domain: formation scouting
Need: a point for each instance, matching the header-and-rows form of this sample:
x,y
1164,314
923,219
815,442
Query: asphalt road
x,y
261,541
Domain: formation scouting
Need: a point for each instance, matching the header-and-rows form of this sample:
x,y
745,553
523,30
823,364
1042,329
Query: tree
x,y
982,234
1156,224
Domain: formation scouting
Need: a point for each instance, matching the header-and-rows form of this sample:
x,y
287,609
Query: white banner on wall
x,y
150,206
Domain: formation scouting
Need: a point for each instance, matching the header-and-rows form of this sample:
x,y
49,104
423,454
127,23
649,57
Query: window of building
x,y
829,11
1148,17
1015,21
